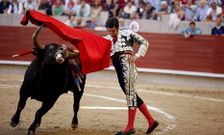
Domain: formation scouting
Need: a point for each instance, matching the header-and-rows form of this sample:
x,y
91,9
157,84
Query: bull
x,y
48,76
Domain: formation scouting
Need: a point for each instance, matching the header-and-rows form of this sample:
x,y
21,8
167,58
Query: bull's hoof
x,y
32,129
13,124
38,124
75,123
74,126
14,121
30,132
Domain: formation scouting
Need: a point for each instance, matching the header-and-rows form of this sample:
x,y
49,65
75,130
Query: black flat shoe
x,y
129,132
155,124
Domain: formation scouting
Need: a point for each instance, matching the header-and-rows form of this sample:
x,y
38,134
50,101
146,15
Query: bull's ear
x,y
34,39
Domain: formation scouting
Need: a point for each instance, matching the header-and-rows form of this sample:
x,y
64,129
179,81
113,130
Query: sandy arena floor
x,y
103,109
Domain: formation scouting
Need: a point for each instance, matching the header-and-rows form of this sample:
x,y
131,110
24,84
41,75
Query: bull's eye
x,y
61,49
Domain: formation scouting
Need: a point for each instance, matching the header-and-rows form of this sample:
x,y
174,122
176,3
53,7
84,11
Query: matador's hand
x,y
133,58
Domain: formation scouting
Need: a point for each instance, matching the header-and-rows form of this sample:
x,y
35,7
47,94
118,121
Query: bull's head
x,y
54,52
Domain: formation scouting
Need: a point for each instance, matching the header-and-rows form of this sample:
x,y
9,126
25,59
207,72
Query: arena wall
x,y
166,51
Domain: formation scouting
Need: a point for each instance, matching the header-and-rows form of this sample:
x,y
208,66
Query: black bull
x,y
45,80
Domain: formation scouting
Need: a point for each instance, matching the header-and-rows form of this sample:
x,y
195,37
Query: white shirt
x,y
130,10
13,7
214,12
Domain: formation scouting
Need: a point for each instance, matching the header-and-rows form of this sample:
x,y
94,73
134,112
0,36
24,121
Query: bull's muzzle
x,y
62,52
59,58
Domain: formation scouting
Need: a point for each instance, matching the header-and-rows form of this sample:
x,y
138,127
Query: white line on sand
x,y
147,70
162,93
171,119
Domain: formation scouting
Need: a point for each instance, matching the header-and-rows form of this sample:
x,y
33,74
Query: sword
x,y
22,53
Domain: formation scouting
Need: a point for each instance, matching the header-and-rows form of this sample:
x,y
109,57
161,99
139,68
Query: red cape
x,y
94,50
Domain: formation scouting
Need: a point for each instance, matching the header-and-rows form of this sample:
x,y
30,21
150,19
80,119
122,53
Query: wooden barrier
x,y
166,51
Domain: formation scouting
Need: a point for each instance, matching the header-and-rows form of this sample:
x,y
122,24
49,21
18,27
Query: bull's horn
x,y
73,54
34,39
